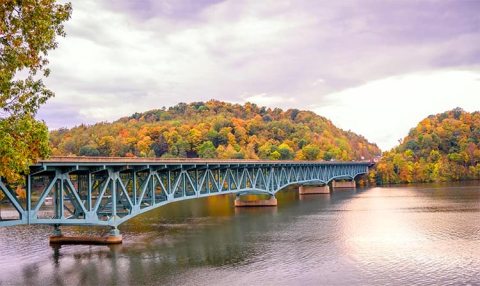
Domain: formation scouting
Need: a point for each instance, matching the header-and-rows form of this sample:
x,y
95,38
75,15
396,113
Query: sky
x,y
374,67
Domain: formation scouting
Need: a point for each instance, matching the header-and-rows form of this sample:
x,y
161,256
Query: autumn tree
x,y
28,30
286,152
442,147
215,129
311,152
207,150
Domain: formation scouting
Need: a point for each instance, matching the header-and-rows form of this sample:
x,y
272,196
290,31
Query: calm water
x,y
427,234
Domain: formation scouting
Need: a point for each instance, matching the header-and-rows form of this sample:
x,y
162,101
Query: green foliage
x,y
216,129
22,141
207,150
311,152
275,155
442,147
89,151
28,30
286,152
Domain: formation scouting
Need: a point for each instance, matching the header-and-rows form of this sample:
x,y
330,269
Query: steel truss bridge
x,y
110,191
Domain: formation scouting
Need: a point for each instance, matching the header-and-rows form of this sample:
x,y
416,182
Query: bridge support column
x,y
56,231
308,190
113,237
343,184
271,202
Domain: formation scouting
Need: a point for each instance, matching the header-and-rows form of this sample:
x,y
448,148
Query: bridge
x,y
105,191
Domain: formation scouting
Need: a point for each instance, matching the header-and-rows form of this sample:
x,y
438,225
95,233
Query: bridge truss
x,y
109,191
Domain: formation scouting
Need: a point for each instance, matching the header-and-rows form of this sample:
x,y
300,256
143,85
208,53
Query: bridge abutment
x,y
343,184
310,190
270,202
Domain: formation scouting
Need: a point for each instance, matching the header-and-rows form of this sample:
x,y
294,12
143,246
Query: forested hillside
x,y
216,129
442,147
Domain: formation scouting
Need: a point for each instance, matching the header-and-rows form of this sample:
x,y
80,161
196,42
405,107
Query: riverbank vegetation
x,y
216,129
442,147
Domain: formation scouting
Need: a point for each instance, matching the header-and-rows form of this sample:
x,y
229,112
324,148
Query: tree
x,y
310,152
105,145
143,146
286,152
207,150
89,151
22,141
275,155
28,30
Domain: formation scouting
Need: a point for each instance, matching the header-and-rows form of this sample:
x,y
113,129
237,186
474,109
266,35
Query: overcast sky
x,y
374,67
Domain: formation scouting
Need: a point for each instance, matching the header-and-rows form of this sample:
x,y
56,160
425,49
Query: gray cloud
x,y
148,9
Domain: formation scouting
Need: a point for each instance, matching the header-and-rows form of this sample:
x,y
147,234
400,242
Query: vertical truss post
x,y
29,197
197,185
60,196
89,192
152,186
228,175
237,179
114,192
79,184
183,178
134,187
169,185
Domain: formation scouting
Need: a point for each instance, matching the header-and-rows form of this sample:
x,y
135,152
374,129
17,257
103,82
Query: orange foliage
x,y
217,129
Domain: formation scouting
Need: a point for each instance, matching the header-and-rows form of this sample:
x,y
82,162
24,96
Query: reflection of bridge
x,y
109,191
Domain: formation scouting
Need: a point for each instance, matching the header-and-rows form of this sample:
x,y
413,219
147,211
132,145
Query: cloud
x,y
121,57
264,99
385,110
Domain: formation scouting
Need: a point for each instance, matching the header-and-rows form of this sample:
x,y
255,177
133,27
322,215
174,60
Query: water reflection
x,y
430,234
400,235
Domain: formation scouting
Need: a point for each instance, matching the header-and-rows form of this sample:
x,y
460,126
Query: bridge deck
x,y
72,160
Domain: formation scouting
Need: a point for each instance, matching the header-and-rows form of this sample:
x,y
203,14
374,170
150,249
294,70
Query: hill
x,y
442,147
216,129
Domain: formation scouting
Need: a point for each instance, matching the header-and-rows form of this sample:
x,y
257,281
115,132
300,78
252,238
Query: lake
x,y
401,235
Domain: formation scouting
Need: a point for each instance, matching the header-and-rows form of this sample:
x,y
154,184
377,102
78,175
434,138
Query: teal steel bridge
x,y
109,191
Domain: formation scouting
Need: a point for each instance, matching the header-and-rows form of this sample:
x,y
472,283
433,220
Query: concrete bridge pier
x,y
310,190
343,184
270,202
113,237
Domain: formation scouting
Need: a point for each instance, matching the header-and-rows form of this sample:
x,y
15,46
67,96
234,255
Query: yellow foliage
x,y
442,147
235,131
